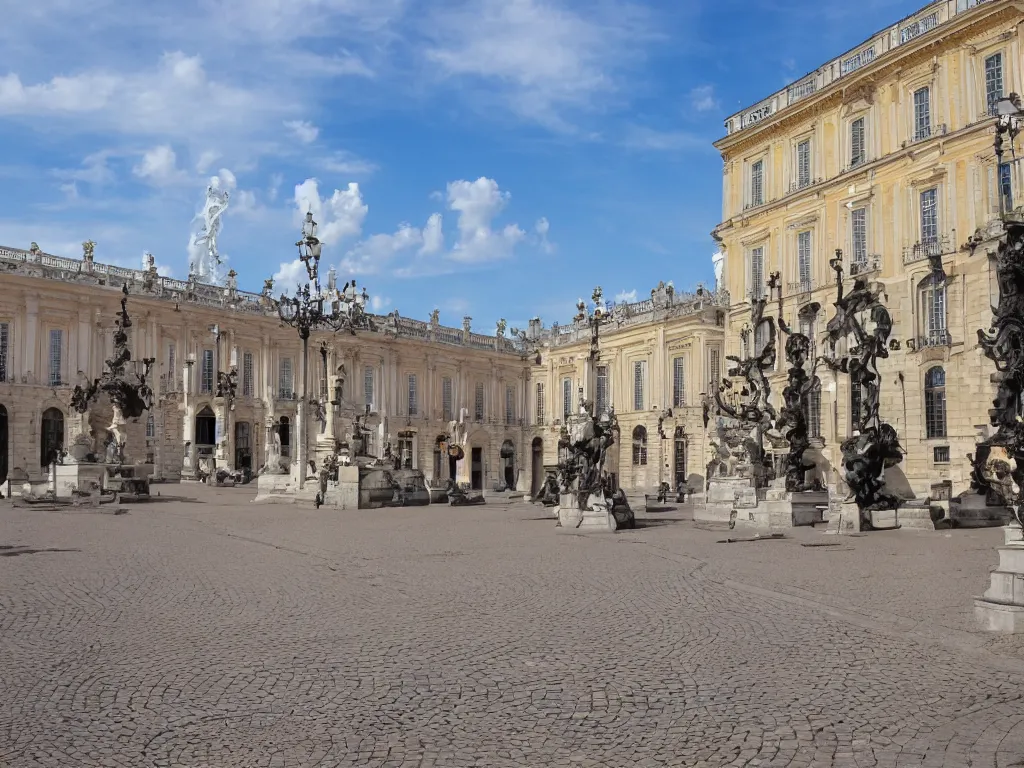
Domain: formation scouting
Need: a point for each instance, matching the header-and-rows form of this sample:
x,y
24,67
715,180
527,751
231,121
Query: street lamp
x,y
313,308
1008,123
593,319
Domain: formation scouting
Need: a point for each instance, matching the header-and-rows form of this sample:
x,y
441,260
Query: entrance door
x,y
3,444
206,427
243,448
680,460
453,467
284,430
52,436
476,475
537,466
508,464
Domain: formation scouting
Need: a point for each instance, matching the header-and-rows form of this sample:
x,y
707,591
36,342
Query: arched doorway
x,y
206,428
3,444
285,431
508,464
679,464
536,466
243,445
52,438
476,468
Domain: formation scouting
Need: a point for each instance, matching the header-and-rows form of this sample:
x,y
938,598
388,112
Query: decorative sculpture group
x,y
875,446
792,420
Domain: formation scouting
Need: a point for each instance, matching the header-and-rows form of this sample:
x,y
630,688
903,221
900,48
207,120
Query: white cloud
x,y
206,160
625,297
287,278
159,166
302,130
275,186
702,98
380,303
433,236
94,170
542,227
225,180
478,203
347,164
340,216
377,251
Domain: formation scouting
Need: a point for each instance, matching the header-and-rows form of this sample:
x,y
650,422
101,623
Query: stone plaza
x,y
203,630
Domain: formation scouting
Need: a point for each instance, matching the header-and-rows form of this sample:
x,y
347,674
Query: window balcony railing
x,y
796,186
925,132
865,266
285,396
755,294
936,338
927,249
800,287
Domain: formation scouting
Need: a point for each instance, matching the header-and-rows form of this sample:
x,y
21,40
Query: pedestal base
x,y
1001,608
972,511
728,494
284,489
847,520
80,477
597,518
787,509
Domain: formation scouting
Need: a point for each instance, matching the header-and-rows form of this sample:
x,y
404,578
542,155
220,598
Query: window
x,y
812,412
935,402
757,183
368,387
52,438
757,273
803,259
248,383
930,219
993,82
150,426
803,164
172,368
858,149
405,452
639,446
602,389
856,398
284,378
540,402
447,411
1006,186
940,454
922,114
859,227
510,404
5,349
639,378
933,311
566,397
806,318
761,337
206,371
284,431
413,402
678,382
56,356
478,403
323,380
714,369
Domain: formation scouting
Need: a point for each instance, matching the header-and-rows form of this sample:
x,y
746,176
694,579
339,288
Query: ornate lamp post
x,y
1008,123
593,319
313,308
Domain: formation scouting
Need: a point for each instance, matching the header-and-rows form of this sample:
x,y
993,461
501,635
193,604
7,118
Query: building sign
x,y
676,345
758,114
858,60
566,360
919,27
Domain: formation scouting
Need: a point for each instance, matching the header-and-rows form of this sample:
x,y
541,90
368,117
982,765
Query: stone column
x,y
188,463
30,352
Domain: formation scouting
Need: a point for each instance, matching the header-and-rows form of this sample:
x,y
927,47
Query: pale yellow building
x,y
885,152
57,319
657,358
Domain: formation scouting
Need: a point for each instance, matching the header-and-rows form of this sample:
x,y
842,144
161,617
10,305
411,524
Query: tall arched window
x,y
932,293
52,438
935,402
812,411
639,446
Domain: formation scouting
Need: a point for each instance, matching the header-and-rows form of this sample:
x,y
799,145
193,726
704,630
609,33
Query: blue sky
x,y
496,158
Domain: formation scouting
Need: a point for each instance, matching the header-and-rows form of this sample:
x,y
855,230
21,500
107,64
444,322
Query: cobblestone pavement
x,y
217,633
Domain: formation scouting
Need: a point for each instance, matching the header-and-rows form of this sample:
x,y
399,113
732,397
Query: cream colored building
x,y
57,318
657,358
885,152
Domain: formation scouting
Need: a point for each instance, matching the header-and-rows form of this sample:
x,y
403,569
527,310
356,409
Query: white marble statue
x,y
202,246
718,261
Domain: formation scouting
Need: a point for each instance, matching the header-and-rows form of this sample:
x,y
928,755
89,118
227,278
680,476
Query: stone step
x,y
916,519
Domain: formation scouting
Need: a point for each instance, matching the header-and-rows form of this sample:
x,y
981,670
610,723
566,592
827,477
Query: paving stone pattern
x,y
216,633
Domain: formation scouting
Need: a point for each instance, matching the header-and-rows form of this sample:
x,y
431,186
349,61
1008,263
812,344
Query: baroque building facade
x,y
886,153
657,359
56,327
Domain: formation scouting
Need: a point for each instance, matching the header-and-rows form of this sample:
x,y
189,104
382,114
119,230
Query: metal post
x,y
300,433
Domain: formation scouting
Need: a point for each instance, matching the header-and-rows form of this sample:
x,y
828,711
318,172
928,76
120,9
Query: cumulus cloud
x,y
340,216
625,297
159,166
376,251
302,130
347,164
206,160
542,227
380,303
287,278
477,204
433,236
702,98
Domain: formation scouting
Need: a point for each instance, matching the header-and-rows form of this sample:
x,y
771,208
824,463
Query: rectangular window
x,y
323,379
1006,186
56,356
859,227
993,82
922,114
940,454
447,411
150,426
757,273
930,219
639,381
368,387
284,379
760,338
803,164
813,412
602,389
5,350
714,369
248,382
807,329
172,368
678,382
566,397
413,396
540,402
478,403
933,297
858,148
206,371
757,183
803,259
510,404
856,398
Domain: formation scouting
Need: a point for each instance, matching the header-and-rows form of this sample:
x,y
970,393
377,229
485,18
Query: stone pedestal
x,y
970,510
279,488
726,494
1001,608
70,477
788,510
284,489
595,517
847,520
